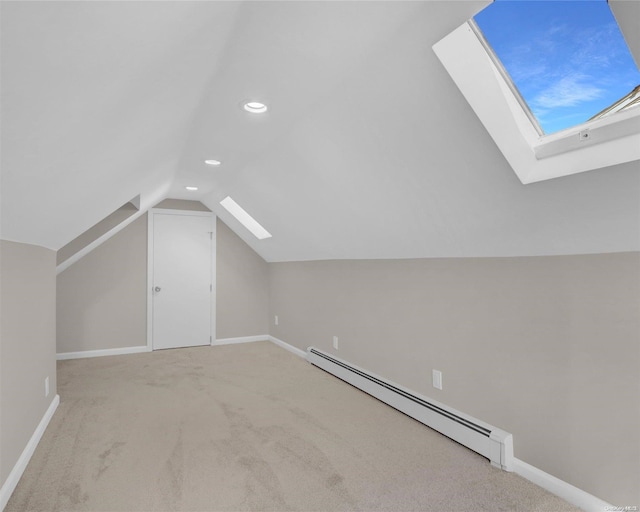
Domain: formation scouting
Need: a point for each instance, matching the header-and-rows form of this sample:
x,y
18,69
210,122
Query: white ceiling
x,y
368,149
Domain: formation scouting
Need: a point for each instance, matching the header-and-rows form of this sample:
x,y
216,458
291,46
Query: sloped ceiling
x,y
368,149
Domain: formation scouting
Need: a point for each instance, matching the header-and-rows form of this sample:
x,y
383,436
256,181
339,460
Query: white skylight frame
x,y
245,219
505,75
532,155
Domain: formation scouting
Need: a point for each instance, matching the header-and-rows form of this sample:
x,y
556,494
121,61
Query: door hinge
x,y
210,339
210,287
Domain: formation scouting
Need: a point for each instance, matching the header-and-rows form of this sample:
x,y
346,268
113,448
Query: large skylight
x,y
567,59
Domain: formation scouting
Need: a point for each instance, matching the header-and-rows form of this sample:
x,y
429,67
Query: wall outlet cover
x,y
437,379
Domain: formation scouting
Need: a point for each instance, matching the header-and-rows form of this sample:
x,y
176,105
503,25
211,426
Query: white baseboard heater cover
x,y
490,442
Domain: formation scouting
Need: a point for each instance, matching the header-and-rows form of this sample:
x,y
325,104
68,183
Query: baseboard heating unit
x,y
490,442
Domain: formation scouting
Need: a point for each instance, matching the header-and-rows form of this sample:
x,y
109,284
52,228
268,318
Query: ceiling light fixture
x,y
215,163
255,107
191,188
245,219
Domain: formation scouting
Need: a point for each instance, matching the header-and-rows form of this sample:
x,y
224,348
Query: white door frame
x,y
193,213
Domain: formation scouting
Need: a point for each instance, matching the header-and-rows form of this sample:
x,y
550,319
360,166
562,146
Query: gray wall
x,y
102,300
546,348
242,287
182,204
27,345
95,232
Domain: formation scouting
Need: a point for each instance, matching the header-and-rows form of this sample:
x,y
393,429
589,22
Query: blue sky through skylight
x,y
567,58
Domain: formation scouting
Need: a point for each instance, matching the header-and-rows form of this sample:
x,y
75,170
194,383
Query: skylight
x,y
567,59
245,219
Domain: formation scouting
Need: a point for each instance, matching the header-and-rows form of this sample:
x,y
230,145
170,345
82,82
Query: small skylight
x,y
245,219
567,59
191,188
212,162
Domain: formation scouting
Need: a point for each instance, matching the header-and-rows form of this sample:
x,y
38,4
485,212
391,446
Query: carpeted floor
x,y
247,427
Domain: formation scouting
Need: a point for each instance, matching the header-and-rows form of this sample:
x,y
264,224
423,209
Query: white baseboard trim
x,y
566,491
99,353
241,339
263,337
16,473
290,348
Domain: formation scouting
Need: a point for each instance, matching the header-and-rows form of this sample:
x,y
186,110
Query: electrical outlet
x,y
275,320
46,386
335,342
437,379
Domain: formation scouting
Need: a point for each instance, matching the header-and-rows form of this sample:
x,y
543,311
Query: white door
x,y
182,279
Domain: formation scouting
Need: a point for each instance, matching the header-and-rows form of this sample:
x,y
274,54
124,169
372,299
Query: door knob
x,y
157,289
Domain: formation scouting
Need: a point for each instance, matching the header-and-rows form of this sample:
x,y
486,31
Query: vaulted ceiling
x,y
368,149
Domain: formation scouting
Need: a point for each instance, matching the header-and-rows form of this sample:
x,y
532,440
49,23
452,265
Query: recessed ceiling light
x,y
191,188
255,107
213,162
245,219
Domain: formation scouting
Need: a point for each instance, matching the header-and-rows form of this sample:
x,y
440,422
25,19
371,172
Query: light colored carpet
x,y
247,427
